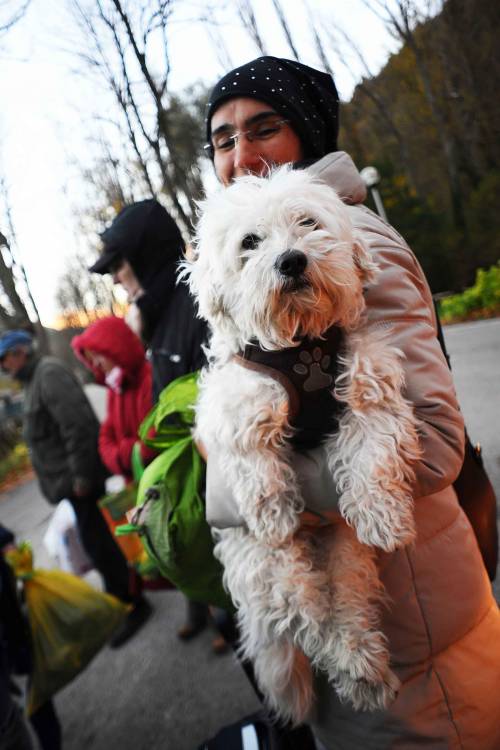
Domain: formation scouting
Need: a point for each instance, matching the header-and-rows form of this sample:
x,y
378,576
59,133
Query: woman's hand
x,y
201,450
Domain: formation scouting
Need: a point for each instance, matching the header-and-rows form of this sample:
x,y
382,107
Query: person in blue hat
x,y
12,345
61,432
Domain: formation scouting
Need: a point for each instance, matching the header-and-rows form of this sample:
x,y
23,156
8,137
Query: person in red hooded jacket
x,y
115,355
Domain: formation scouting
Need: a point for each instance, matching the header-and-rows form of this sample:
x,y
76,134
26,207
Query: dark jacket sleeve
x,y
199,340
64,399
6,536
177,342
144,406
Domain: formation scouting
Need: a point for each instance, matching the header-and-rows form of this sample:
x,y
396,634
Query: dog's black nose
x,y
292,263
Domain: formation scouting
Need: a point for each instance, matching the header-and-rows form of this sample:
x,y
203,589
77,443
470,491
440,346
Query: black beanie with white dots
x,y
306,97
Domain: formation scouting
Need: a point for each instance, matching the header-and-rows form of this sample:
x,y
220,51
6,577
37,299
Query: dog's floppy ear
x,y
362,258
214,309
210,301
215,304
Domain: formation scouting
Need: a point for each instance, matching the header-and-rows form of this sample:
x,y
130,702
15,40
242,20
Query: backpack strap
x,y
440,335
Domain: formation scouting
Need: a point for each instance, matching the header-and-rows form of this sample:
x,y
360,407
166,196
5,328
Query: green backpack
x,y
170,511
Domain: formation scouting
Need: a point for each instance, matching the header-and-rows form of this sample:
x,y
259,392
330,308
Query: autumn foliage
x,y
430,122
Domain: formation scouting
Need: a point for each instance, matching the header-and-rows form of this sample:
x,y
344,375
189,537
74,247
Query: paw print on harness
x,y
314,367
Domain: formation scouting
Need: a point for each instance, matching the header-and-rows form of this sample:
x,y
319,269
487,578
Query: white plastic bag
x,y
115,483
62,541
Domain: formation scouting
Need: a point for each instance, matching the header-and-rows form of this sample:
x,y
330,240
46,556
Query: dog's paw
x,y
374,376
362,654
365,695
285,677
386,526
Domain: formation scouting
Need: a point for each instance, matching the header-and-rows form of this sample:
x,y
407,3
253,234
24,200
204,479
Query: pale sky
x,y
46,112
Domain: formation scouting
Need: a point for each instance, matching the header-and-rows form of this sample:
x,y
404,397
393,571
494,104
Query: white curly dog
x,y
277,266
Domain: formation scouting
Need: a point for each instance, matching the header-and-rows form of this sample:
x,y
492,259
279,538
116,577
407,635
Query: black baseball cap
x,y
105,260
144,234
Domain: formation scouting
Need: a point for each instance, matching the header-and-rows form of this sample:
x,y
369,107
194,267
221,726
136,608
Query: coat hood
x,y
145,235
339,171
112,338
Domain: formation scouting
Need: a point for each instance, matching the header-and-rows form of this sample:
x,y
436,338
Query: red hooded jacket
x,y
112,338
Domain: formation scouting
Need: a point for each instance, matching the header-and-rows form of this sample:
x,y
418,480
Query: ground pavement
x,y
157,693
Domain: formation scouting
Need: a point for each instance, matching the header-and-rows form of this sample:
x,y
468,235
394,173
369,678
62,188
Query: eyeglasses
x,y
260,131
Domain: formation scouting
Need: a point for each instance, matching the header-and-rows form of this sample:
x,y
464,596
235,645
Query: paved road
x,y
159,694
155,692
474,349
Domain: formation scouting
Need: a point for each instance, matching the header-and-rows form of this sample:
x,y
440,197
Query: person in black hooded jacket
x,y
141,250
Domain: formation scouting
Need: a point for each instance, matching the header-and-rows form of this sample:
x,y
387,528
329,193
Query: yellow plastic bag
x,y
70,622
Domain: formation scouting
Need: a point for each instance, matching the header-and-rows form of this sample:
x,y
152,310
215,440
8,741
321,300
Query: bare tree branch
x,y
124,103
163,131
128,105
318,43
163,126
286,29
218,43
10,13
249,22
83,298
8,278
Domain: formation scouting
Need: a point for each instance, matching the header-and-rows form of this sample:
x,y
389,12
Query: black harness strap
x,y
307,372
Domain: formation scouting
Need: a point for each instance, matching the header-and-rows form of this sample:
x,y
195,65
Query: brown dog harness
x,y
307,372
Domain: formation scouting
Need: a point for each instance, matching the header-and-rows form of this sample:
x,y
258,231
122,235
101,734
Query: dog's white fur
x,y
307,598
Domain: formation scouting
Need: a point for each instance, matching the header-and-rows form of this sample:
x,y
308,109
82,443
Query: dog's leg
x,y
284,674
243,416
282,600
266,490
279,591
354,653
373,453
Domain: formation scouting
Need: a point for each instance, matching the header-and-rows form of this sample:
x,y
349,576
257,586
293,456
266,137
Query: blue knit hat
x,y
10,339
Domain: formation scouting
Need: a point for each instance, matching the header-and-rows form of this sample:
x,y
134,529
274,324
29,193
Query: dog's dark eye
x,y
307,222
250,242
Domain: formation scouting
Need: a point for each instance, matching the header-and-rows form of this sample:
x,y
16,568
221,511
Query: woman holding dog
x,y
441,621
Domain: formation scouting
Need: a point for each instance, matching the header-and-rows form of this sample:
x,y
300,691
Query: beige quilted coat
x,y
442,622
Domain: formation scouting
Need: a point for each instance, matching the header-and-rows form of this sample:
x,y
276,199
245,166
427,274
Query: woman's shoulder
x,y
399,269
401,289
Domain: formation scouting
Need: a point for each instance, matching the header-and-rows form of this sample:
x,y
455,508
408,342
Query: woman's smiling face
x,y
237,116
